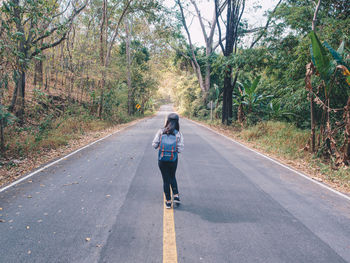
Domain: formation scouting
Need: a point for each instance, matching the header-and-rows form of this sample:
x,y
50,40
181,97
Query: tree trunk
x,y
38,73
240,115
100,106
207,80
103,41
235,9
227,83
128,64
227,98
312,108
15,92
312,115
20,96
2,139
47,79
346,147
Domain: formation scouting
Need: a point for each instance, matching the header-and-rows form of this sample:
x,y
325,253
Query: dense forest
x,y
68,64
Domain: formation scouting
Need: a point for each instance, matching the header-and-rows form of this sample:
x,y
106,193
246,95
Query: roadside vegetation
x,y
282,88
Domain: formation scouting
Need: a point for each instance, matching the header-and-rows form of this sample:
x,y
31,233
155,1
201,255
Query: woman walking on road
x,y
170,142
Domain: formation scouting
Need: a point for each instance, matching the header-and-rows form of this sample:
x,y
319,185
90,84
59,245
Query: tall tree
x,y
311,96
234,12
112,15
194,61
208,33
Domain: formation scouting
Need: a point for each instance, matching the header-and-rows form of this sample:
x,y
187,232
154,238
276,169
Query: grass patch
x,y
278,137
47,131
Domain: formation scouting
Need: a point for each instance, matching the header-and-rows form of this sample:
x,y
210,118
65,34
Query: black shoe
x,y
168,205
177,200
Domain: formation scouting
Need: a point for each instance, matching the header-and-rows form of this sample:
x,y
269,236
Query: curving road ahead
x,y
105,204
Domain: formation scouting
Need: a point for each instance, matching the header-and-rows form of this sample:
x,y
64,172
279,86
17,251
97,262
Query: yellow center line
x,y
169,237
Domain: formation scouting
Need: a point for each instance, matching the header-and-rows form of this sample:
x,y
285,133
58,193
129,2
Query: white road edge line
x,y
277,162
64,157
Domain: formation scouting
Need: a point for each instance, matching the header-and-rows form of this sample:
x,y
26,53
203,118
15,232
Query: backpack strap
x,y
162,154
160,141
176,132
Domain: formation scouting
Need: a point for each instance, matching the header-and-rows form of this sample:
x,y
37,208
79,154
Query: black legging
x,y
168,170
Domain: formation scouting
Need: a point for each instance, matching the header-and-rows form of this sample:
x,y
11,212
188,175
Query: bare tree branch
x,y
69,21
217,14
200,20
267,25
315,15
239,19
63,37
116,31
218,43
197,67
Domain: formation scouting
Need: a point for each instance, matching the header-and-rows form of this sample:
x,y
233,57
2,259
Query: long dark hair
x,y
172,124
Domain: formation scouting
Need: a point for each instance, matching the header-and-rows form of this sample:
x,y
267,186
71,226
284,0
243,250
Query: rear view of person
x,y
170,142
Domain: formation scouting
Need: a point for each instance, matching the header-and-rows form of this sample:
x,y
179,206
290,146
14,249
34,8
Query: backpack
x,y
167,147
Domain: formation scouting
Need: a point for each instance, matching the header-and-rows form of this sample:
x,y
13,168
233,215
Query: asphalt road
x,y
105,204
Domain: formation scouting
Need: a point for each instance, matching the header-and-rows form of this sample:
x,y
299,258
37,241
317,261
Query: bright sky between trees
x,y
254,13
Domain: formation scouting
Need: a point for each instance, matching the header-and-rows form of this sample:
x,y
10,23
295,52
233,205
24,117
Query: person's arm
x,y
156,140
180,143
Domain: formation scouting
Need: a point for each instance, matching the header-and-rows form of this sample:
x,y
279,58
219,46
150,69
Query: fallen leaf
x,y
0,208
71,184
87,239
317,179
2,221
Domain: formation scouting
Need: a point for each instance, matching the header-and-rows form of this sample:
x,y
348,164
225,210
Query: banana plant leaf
x,y
255,83
341,48
322,61
337,56
312,55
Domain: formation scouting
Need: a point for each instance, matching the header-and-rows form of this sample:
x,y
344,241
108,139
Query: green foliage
x,y
320,56
6,118
252,102
188,97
